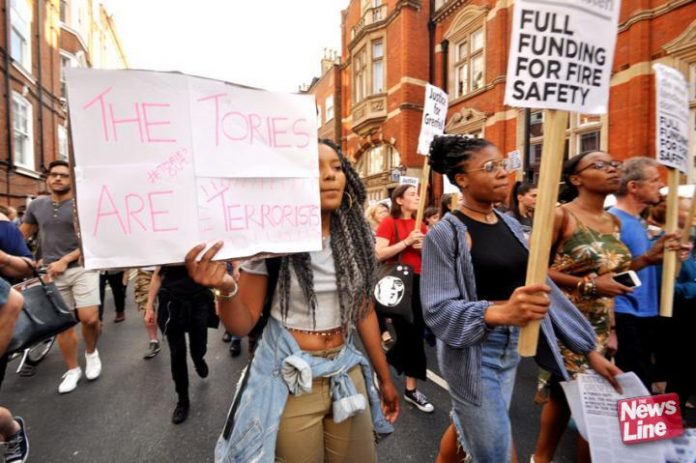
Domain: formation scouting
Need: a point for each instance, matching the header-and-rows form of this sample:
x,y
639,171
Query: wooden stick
x,y
669,261
425,178
555,123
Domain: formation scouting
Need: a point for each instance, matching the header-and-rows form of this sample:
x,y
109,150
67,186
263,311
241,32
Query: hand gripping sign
x,y
165,161
561,55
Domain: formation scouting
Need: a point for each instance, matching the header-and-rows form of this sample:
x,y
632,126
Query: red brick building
x,y
40,39
462,47
327,91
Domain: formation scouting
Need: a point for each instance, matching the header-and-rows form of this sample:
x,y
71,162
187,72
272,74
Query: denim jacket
x,y
456,317
279,367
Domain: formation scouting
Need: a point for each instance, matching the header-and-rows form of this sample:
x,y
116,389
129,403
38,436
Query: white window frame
x,y
62,143
328,108
21,24
360,75
378,62
26,158
463,61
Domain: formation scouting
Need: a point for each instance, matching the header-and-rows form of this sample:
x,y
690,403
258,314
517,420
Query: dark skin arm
x,y
368,329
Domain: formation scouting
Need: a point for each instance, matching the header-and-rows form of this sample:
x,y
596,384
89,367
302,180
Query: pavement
x,y
125,415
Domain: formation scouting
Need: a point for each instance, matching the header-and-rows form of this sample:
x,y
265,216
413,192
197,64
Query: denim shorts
x,y
484,430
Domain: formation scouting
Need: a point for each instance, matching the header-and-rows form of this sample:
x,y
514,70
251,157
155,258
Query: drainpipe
x,y
39,75
445,61
8,100
431,44
528,171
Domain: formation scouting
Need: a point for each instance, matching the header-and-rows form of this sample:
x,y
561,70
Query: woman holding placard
x,y
309,393
398,238
475,299
587,253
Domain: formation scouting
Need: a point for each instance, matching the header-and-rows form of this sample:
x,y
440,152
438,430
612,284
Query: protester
x,y
431,216
12,429
475,298
637,312
522,203
305,358
118,290
399,238
141,289
445,205
588,253
52,217
184,306
375,214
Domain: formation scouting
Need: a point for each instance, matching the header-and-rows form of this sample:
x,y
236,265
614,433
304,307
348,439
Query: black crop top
x,y
500,260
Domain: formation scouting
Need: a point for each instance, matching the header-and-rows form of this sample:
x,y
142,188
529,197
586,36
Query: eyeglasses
x,y
491,166
57,175
602,165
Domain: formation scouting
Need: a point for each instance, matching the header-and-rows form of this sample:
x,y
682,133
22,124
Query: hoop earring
x,y
350,201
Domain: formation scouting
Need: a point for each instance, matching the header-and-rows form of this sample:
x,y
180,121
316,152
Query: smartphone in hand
x,y
629,279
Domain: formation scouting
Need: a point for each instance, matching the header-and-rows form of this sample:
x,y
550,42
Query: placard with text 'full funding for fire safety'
x,y
561,54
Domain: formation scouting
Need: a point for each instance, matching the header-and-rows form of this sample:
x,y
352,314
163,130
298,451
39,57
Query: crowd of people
x,y
324,398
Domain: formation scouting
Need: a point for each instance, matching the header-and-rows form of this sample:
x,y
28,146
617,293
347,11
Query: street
x,y
125,415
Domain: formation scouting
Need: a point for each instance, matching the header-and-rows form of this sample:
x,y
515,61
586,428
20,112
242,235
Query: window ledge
x,y
476,92
23,71
22,170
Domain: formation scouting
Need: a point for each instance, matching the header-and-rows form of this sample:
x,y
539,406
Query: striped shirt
x,y
450,309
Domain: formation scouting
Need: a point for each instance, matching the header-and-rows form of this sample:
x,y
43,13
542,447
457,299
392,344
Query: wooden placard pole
x,y
669,260
555,123
425,179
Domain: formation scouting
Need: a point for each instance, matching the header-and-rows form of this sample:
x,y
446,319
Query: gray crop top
x,y
328,314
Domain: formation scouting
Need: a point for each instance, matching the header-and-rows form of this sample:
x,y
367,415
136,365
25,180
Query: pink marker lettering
x,y
231,218
153,212
300,132
149,123
233,126
216,100
131,212
277,132
102,105
105,194
137,119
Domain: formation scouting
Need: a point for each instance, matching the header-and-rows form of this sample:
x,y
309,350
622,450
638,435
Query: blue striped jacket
x,y
454,315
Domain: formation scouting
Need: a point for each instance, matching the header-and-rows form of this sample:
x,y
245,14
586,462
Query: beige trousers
x,y
308,433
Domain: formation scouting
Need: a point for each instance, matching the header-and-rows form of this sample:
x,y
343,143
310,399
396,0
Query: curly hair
x,y
448,152
352,245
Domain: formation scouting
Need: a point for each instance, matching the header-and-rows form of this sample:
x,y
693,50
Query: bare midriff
x,y
318,340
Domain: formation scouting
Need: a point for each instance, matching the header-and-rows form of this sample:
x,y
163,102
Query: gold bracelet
x,y
220,296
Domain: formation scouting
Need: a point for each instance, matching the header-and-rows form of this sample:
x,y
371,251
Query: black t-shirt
x,y
177,281
500,260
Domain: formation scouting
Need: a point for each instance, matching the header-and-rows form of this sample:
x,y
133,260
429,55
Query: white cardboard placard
x,y
561,54
672,119
147,161
434,117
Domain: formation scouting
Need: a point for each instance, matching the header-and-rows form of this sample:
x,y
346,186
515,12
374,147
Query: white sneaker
x,y
70,379
94,366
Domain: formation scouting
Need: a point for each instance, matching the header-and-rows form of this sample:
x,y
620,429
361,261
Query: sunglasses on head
x,y
602,165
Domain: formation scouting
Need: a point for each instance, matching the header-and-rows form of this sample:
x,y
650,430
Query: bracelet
x,y
220,296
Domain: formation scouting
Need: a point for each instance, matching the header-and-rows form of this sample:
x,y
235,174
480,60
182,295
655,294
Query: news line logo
x,y
651,418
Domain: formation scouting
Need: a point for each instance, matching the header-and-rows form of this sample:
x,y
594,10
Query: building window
x,y
469,63
376,160
377,66
62,143
360,74
22,115
63,12
329,107
21,33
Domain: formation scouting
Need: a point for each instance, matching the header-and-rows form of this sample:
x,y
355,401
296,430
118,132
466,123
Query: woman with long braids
x,y
475,299
398,237
588,252
309,394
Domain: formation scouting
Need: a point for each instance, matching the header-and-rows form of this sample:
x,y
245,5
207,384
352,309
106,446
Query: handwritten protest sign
x,y
161,165
672,137
561,54
514,161
404,180
434,117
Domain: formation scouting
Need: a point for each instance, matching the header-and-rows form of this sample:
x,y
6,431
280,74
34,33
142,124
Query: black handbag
x,y
394,288
44,314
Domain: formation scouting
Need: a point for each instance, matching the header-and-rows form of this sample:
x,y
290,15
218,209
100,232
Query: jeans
x,y
176,317
484,431
115,280
635,336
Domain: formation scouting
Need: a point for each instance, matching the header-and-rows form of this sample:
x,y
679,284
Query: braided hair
x,y
568,191
448,152
353,248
